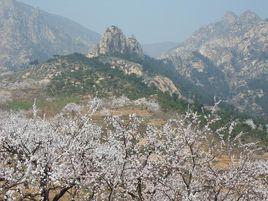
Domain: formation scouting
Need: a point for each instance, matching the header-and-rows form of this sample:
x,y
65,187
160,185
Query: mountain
x,y
75,77
144,83
157,49
230,57
28,34
114,42
115,67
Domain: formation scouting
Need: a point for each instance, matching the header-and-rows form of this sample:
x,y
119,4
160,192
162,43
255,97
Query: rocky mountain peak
x,y
114,42
230,17
249,16
134,46
113,30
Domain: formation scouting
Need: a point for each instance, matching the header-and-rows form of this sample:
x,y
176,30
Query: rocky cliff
x,y
28,34
114,42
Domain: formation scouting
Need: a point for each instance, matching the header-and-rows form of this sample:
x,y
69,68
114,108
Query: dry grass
x,y
222,162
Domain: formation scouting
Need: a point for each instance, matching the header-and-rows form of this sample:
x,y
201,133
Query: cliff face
x,y
230,55
28,34
114,42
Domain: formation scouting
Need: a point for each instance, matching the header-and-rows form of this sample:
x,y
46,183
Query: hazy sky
x,y
149,20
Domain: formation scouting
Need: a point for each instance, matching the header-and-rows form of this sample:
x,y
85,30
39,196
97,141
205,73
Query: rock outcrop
x,y
164,84
128,67
114,42
28,34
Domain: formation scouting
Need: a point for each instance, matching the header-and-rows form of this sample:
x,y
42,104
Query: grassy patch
x,y
46,106
19,105
55,105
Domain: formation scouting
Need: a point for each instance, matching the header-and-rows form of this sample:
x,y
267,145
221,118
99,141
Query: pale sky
x,y
149,20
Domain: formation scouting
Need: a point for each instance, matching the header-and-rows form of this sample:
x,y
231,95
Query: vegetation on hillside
x,y
95,78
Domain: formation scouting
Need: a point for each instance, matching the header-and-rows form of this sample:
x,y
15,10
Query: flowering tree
x,y
40,158
71,156
180,161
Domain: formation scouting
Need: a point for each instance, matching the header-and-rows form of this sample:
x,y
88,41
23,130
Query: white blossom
x,y
125,159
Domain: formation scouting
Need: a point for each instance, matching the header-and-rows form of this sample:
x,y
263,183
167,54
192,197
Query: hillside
x,y
230,57
28,34
77,76
76,79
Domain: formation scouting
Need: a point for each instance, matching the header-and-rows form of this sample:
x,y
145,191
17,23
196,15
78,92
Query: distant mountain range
x,y
28,34
229,59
